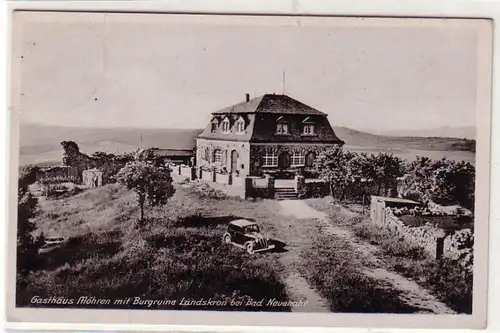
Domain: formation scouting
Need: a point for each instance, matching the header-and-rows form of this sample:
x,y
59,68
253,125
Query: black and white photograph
x,y
244,164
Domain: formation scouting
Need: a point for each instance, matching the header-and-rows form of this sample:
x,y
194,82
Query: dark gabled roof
x,y
270,103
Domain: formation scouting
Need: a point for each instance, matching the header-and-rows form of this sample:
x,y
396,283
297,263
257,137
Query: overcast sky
x,y
128,71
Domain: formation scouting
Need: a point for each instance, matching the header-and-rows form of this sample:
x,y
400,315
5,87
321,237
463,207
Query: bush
x,y
203,190
165,263
27,205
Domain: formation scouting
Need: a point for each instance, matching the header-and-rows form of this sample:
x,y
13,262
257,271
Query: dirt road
x,y
312,222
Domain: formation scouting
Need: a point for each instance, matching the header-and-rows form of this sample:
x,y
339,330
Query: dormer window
x,y
214,125
308,127
240,125
281,126
225,125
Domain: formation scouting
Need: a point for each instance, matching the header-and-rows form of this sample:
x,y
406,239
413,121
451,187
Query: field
x,y
178,257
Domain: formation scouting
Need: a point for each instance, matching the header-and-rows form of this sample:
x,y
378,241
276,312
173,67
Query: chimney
x,y
247,97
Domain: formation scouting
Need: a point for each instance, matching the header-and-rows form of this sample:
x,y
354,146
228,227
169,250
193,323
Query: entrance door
x,y
234,161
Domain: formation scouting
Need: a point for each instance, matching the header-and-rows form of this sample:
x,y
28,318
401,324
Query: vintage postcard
x,y
249,170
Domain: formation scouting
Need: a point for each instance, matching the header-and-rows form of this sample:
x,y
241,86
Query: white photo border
x,y
220,320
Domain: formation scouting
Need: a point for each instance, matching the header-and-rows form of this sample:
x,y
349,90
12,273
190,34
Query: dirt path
x,y
298,236
411,293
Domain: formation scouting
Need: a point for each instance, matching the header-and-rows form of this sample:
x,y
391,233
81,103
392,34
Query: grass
x,y
179,254
332,267
447,280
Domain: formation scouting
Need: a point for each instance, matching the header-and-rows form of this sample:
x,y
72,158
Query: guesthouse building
x,y
270,134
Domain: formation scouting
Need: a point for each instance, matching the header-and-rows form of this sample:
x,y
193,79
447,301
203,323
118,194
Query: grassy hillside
x,y
178,254
41,144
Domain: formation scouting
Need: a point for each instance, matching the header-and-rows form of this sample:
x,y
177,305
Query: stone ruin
x,y
72,157
92,178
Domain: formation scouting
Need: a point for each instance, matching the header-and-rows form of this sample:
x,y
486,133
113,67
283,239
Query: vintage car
x,y
246,235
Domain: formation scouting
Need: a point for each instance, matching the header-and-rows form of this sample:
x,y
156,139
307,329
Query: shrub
x,y
203,190
165,263
27,204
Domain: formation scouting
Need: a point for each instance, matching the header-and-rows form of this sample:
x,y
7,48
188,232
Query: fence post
x,y
270,186
440,244
179,168
248,191
230,179
214,176
200,172
193,173
299,183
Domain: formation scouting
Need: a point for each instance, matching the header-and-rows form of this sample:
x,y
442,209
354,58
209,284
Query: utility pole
x,y
283,83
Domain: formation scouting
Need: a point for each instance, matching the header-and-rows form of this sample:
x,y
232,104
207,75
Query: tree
x,y
442,181
333,166
384,169
454,183
27,245
151,183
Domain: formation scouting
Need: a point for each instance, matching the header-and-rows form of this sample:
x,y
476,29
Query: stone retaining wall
x,y
456,245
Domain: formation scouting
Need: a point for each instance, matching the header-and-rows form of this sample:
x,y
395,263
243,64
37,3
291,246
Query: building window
x,y
214,127
206,156
308,129
298,158
217,156
240,125
225,125
281,128
270,159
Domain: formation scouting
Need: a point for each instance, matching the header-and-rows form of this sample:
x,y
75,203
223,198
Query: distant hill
x,y
363,139
41,144
468,132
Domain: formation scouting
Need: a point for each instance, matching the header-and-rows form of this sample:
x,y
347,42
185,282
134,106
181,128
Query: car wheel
x,y
227,239
249,248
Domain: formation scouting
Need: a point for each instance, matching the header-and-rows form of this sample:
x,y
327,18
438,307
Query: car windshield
x,y
252,228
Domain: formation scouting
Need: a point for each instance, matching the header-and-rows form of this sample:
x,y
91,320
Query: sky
x,y
124,70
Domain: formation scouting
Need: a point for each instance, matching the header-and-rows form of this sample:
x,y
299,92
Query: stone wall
x,y
92,178
57,174
457,245
205,150
424,236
